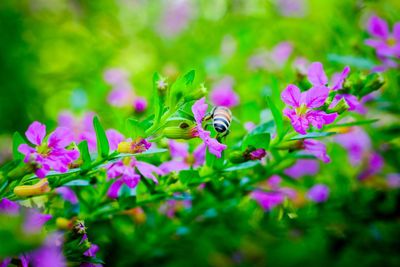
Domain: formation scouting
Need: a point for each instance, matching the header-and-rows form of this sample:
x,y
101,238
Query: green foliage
x,y
103,148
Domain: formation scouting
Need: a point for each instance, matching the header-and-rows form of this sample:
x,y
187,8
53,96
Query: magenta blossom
x,y
223,94
114,138
48,154
302,113
257,154
181,159
318,193
270,199
199,110
176,17
317,77
139,104
292,8
386,44
68,194
91,252
374,166
393,180
302,168
272,60
357,142
124,172
317,149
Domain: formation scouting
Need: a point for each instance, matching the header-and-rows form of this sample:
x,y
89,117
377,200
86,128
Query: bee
x,y
221,119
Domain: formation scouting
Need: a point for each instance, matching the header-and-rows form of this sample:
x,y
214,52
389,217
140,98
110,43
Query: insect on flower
x,y
221,119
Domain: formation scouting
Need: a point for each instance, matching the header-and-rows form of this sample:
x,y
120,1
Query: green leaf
x,y
180,87
267,127
242,166
158,99
135,128
259,140
17,141
85,155
189,176
354,123
103,147
312,135
277,114
189,77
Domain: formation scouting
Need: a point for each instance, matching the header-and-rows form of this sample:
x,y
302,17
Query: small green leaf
x,y
312,135
189,77
260,140
85,155
267,127
354,123
189,176
17,141
242,166
180,87
135,128
103,147
158,99
277,114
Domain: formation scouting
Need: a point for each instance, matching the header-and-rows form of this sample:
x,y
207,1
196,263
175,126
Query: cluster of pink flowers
x,y
122,93
385,43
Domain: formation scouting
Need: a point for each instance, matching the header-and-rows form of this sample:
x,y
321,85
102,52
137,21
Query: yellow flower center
x,y
126,161
301,110
190,160
43,149
391,41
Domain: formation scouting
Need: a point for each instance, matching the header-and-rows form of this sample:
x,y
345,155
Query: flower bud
x,y
340,107
197,94
63,223
373,82
257,154
137,146
162,86
39,188
237,157
290,145
183,131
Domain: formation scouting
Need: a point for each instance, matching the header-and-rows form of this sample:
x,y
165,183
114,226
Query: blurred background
x,y
77,56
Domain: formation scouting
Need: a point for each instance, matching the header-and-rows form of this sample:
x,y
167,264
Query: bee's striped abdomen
x,y
222,117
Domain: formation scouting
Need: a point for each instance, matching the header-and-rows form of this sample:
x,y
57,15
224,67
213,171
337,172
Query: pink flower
x,y
302,113
181,159
9,207
114,138
317,76
115,76
272,60
249,126
357,143
273,198
139,104
176,17
318,193
375,165
257,154
199,110
121,97
317,149
68,194
386,44
223,94
302,168
124,172
393,180
292,8
51,154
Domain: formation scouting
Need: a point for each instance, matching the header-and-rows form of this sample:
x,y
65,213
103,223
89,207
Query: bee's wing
x,y
234,119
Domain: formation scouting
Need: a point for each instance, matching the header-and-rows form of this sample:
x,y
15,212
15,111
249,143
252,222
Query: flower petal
x,y
199,110
339,79
291,96
199,155
396,31
178,150
378,27
148,170
36,133
60,138
318,193
316,148
316,74
316,96
114,138
114,188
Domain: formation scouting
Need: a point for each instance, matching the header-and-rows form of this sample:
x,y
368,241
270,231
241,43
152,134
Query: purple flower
x,y
51,154
223,94
50,254
317,149
301,65
302,113
249,126
124,172
139,104
121,97
317,77
257,154
199,110
68,194
375,165
114,138
9,207
318,193
272,60
35,220
386,44
357,142
292,8
176,17
181,159
115,76
393,180
302,168
91,252
171,206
